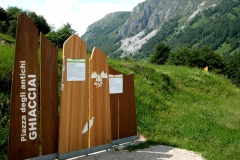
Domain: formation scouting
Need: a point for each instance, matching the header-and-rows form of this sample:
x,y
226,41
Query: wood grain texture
x,y
114,99
48,96
25,64
127,108
74,101
99,99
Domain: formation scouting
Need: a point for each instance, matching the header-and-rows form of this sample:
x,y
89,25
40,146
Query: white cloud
x,y
80,15
124,1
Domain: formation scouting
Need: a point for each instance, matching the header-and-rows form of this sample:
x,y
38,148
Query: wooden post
x,y
127,108
48,96
23,139
74,97
123,108
99,100
114,100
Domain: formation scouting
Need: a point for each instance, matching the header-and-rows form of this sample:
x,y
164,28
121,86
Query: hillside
x,y
103,32
186,108
192,23
176,106
217,27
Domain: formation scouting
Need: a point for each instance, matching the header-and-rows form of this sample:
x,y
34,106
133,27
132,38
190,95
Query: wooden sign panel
x,y
23,133
48,96
114,99
123,108
99,100
127,108
74,97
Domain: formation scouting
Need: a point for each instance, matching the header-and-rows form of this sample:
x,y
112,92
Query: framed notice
x,y
76,69
115,84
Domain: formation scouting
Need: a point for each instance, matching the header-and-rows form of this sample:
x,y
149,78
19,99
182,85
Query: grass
x,y
177,106
187,108
223,48
6,63
202,21
7,38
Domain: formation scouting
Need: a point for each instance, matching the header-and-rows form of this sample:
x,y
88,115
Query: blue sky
x,y
79,13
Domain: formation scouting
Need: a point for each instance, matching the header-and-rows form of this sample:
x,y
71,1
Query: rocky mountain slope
x,y
125,33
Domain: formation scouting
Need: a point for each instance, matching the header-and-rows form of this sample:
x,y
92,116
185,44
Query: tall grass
x,y
6,63
7,38
187,108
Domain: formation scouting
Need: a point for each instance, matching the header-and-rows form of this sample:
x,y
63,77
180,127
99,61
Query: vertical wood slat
x,y
114,98
127,108
99,99
123,108
48,96
25,77
74,101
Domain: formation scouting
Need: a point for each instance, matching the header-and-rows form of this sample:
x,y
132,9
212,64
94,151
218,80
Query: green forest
x,y
217,27
214,27
8,24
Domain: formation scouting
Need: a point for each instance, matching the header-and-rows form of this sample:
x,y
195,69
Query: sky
x,y
79,13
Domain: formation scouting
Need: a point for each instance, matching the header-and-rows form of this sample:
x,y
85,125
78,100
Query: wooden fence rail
x,y
97,106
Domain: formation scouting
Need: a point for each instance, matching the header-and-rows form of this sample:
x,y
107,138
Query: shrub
x,y
161,53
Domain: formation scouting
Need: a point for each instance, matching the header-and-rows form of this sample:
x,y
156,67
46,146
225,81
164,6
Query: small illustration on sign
x,y
99,82
85,129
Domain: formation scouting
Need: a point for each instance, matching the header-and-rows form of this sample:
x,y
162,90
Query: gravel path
x,y
152,153
159,152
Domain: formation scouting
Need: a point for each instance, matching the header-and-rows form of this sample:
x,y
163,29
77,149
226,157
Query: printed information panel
x,y
76,69
115,84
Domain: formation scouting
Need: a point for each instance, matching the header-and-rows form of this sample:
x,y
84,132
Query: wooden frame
x,y
91,118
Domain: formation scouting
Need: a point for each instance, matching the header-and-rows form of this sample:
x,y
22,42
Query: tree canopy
x,y
198,57
8,20
61,35
40,22
161,53
8,25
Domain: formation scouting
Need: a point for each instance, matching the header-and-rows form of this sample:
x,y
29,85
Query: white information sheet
x,y
115,84
76,69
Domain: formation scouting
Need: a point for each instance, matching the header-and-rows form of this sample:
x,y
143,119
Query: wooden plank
x,y
99,99
114,98
127,108
48,96
74,99
23,131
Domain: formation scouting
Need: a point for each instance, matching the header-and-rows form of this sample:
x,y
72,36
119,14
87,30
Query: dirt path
x,y
152,153
159,152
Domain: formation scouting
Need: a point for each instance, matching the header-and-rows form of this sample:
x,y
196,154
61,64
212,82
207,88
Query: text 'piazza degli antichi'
x,y
28,98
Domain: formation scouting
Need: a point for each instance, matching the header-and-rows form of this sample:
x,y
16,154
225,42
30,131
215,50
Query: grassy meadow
x,y
177,106
186,108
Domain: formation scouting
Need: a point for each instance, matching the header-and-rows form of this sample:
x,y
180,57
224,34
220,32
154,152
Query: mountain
x,y
193,23
105,32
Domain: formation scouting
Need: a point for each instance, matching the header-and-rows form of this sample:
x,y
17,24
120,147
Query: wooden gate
x,y
97,106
